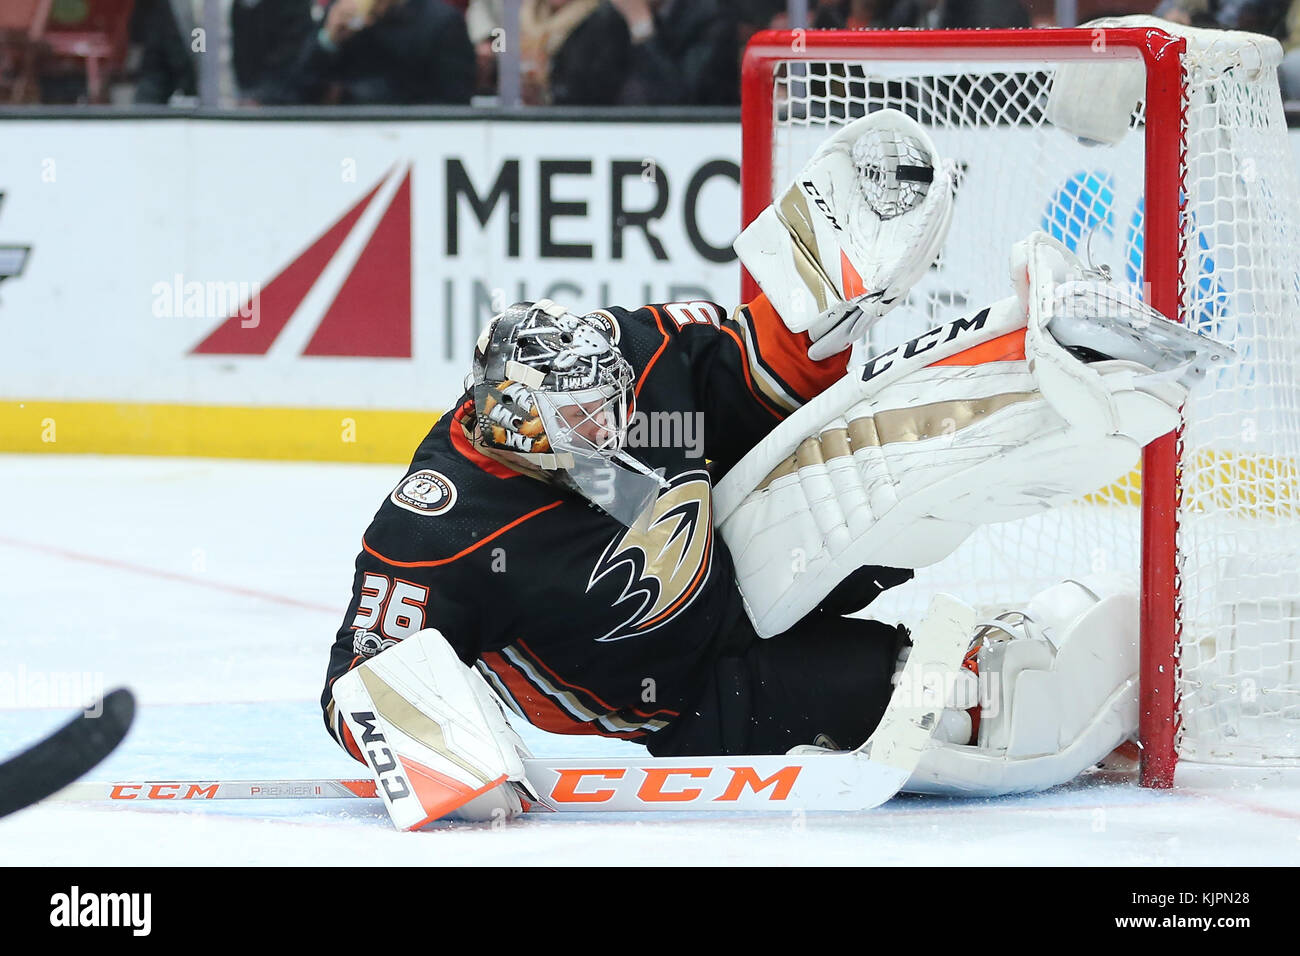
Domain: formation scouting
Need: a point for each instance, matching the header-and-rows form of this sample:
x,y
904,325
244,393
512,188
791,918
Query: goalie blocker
x,y
433,734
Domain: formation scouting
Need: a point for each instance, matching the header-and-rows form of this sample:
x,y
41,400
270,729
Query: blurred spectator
x,y
649,52
560,37
758,15
168,67
380,52
1289,72
845,14
482,19
755,15
545,27
1254,16
266,36
173,42
84,48
1275,18
956,14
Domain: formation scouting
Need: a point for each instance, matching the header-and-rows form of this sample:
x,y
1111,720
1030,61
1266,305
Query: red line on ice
x,y
168,575
1261,809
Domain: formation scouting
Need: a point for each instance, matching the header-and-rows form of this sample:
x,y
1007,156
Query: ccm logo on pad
x,y
922,343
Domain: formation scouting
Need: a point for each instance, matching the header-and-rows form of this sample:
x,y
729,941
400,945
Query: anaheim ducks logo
x,y
668,563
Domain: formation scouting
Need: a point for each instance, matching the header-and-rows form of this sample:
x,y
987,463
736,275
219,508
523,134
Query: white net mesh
x,y
1239,533
1239,538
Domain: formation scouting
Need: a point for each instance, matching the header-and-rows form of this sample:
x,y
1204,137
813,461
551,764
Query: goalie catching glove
x,y
853,233
433,734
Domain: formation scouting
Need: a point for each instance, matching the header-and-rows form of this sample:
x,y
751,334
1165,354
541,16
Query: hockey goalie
x,y
660,524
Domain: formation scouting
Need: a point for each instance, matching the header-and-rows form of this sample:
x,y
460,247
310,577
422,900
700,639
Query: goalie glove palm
x,y
853,233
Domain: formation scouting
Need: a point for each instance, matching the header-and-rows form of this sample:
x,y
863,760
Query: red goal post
x,y
975,86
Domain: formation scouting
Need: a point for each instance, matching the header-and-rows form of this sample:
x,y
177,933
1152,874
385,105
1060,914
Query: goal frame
x,y
1165,148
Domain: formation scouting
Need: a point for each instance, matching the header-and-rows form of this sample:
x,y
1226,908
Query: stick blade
x,y
66,754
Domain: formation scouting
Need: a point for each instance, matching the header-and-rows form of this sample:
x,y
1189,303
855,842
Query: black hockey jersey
x,y
581,624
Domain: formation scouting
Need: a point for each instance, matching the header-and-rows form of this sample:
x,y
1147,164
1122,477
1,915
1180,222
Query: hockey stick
x,y
852,780
153,790
66,754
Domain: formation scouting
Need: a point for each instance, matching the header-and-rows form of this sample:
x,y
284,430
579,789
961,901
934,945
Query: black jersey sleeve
x,y
747,369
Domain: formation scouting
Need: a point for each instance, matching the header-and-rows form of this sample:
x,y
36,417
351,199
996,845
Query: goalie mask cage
x,y
1197,207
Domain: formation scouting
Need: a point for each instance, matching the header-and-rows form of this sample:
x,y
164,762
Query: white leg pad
x,y
990,418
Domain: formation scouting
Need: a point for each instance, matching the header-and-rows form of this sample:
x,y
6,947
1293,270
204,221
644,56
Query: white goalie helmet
x,y
553,388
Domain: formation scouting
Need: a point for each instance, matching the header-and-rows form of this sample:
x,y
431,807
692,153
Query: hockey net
x,y
1197,207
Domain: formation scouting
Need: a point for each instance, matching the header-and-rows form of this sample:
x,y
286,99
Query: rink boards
x,y
311,290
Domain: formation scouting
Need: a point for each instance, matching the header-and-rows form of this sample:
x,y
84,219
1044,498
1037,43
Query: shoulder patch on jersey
x,y
615,333
425,492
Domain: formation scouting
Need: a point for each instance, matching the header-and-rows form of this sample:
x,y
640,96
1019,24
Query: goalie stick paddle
x,y
851,780
68,753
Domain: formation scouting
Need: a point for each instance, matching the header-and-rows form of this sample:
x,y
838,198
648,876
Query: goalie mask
x,y
553,388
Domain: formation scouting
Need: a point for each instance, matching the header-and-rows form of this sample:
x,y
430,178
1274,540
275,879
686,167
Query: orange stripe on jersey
x,y
538,661
749,381
460,554
592,694
636,392
541,711
466,448
1005,348
351,664
786,352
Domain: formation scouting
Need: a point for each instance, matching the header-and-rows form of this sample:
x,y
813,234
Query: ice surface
x,y
213,589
